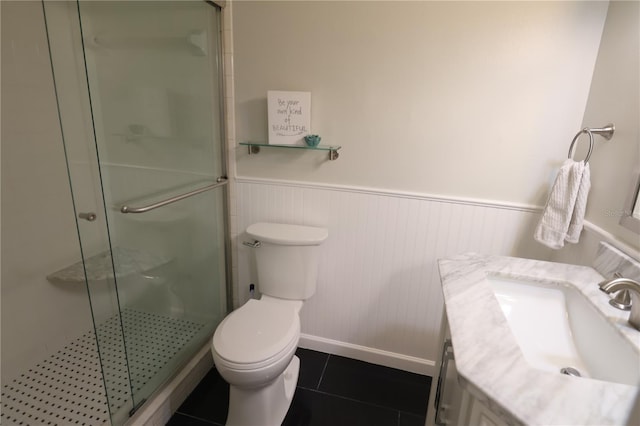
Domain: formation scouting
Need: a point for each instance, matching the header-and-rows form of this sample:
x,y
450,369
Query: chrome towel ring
x,y
573,143
606,132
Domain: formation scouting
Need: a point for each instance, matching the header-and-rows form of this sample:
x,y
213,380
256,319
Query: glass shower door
x,y
149,75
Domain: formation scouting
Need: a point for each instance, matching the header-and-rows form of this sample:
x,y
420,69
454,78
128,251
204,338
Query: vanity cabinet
x,y
497,382
482,416
450,403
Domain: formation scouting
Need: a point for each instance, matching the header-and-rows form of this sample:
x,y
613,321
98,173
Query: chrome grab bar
x,y
221,181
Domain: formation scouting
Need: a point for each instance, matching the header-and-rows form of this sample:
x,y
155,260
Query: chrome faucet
x,y
622,299
619,283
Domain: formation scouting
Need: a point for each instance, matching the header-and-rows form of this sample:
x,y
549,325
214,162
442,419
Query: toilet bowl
x,y
253,350
254,346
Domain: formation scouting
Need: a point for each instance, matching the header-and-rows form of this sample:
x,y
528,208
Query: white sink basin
x,y
556,326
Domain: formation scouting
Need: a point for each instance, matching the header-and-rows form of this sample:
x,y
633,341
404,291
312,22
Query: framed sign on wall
x,y
289,117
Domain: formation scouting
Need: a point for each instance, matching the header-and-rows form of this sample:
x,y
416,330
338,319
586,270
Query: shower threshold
x,y
67,386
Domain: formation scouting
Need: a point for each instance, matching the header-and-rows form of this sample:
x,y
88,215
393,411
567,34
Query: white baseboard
x,y
372,355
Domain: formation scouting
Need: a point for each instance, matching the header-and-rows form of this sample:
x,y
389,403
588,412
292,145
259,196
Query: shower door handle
x,y
90,216
221,181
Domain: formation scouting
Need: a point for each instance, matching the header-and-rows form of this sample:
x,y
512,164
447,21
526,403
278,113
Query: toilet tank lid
x,y
285,234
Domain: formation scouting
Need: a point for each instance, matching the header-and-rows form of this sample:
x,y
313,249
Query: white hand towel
x,y
577,219
554,223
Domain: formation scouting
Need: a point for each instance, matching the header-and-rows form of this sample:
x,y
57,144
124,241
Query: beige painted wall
x,y
462,99
615,97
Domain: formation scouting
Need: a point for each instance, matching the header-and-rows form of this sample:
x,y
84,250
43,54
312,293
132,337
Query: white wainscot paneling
x,y
379,297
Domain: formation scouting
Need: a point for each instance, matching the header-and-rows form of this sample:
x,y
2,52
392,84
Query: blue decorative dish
x,y
312,140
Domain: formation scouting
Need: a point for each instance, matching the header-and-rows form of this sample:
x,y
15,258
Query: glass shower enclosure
x,y
138,86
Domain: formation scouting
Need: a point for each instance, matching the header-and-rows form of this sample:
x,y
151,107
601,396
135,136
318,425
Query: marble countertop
x,y
489,360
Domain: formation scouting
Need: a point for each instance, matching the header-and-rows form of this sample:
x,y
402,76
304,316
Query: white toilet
x,y
253,347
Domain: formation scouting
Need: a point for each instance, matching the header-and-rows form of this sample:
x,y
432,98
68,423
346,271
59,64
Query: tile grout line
x,y
409,413
317,389
323,370
346,398
197,418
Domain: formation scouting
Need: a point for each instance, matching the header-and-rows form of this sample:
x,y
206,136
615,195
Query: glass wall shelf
x,y
254,148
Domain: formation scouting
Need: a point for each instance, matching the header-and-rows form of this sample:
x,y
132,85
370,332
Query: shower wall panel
x,y
39,233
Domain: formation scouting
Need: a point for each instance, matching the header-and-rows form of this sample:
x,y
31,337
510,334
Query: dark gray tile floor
x,y
332,390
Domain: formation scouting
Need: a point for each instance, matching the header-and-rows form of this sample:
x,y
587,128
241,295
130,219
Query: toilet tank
x,y
287,259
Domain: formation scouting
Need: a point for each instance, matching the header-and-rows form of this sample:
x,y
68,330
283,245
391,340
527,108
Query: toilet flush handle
x,y
254,244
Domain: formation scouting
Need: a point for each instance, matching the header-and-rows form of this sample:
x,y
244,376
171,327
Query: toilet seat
x,y
256,334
